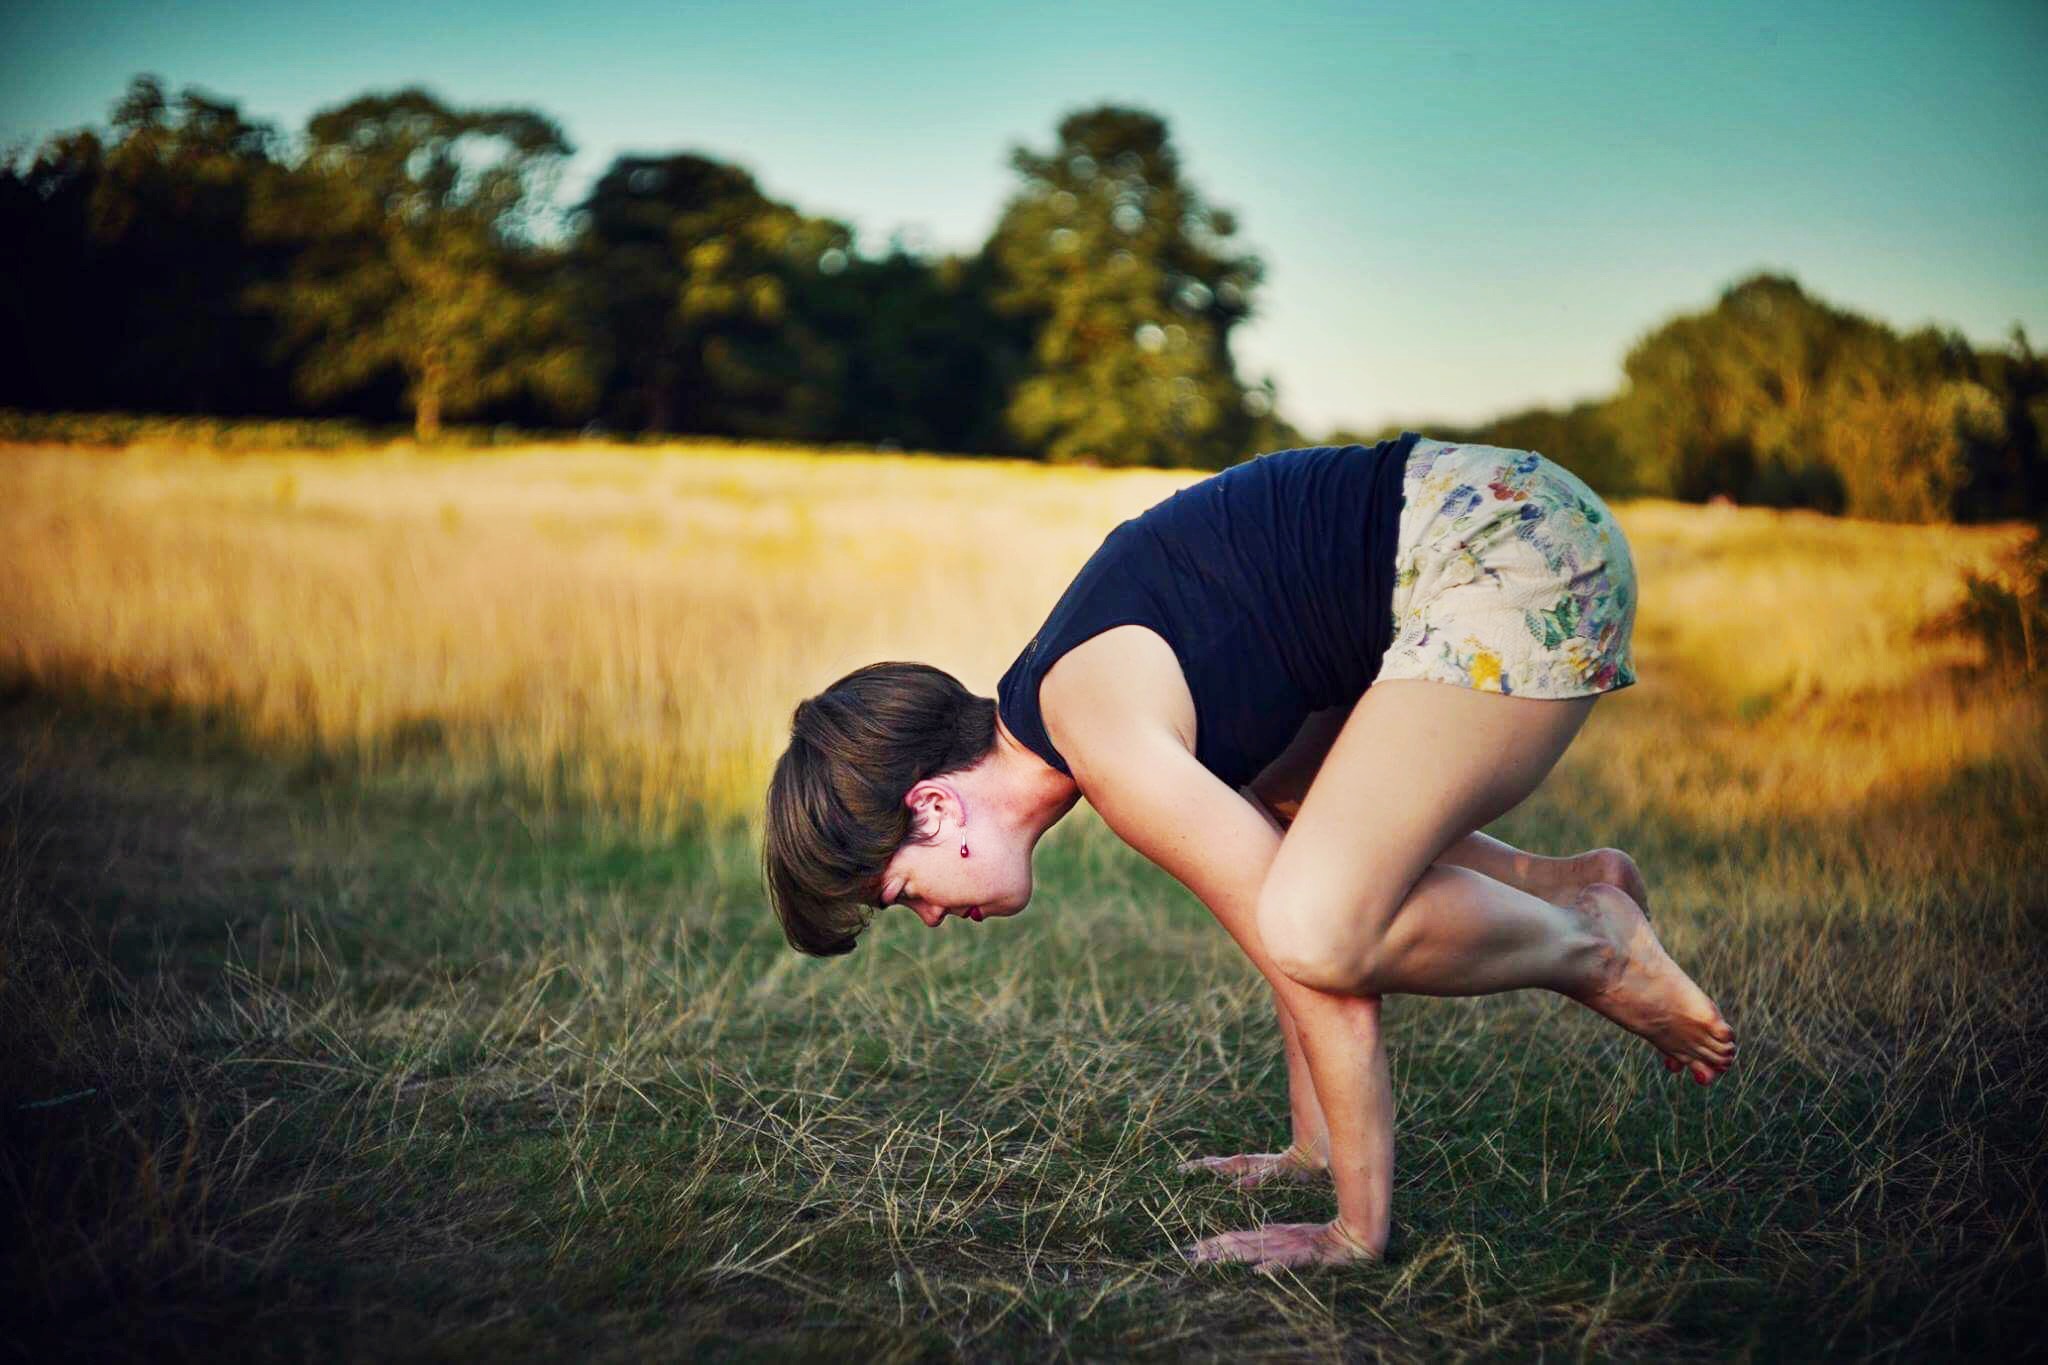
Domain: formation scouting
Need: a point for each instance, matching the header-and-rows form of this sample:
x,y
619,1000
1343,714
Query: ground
x,y
353,1007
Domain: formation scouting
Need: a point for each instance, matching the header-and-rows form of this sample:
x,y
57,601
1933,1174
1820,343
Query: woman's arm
x,y
1309,1150
1149,788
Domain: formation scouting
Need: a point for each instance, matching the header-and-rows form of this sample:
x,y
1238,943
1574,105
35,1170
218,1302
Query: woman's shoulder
x,y
1122,681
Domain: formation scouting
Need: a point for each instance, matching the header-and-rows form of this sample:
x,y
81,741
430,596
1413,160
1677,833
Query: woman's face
x,y
993,880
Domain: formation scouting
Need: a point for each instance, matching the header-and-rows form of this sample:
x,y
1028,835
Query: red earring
x,y
963,850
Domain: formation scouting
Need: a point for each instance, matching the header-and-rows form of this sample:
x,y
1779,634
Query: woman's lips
x,y
975,914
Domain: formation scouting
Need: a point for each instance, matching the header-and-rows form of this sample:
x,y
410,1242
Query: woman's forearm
x,y
1311,1142
1347,1057
1311,1132
1149,788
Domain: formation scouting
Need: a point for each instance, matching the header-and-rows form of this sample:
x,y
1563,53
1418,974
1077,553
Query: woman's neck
x,y
1035,794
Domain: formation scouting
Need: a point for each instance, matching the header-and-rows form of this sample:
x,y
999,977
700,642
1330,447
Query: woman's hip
x,y
1511,575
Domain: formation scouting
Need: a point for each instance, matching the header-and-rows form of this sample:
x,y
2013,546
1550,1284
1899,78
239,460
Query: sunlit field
x,y
387,972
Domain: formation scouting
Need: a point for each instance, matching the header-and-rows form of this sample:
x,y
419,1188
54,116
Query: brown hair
x,y
835,804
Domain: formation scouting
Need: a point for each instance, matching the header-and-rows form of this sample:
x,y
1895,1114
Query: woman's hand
x,y
1278,1245
1253,1169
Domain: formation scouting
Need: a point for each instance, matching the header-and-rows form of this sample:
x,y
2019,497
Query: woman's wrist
x,y
1358,1243
1307,1156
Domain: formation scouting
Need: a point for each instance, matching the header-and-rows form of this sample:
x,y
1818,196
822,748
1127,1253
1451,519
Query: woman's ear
x,y
931,804
925,800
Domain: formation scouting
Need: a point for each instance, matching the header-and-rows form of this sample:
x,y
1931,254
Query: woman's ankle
x,y
1546,877
1359,1243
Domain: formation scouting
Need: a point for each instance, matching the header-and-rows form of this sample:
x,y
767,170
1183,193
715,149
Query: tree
x,y
688,272
1727,401
2008,477
414,225
1126,277
1775,397
44,206
926,362
141,251
1581,438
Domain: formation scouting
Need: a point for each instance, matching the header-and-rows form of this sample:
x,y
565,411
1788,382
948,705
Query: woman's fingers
x,y
1273,1242
1276,1246
1252,1169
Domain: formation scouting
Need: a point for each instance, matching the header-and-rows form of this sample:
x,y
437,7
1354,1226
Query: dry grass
x,y
472,1036
635,628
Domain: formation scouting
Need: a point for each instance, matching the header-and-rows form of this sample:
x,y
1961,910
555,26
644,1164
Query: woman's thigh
x,y
1418,765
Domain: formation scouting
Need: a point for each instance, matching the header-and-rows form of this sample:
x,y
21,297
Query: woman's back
x,y
1273,583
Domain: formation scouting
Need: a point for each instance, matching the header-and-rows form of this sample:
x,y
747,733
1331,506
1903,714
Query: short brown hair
x,y
835,803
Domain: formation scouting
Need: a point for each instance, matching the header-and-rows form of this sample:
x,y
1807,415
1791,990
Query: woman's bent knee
x,y
1312,951
1325,972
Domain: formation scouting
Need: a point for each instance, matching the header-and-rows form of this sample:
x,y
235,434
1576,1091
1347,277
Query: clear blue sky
x,y
1464,207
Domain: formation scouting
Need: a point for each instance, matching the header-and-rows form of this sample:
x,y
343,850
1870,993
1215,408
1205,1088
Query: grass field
x,y
386,972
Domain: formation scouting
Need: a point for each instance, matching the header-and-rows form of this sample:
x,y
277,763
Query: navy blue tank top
x,y
1273,581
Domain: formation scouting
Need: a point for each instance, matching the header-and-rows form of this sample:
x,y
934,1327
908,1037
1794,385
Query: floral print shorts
x,y
1510,576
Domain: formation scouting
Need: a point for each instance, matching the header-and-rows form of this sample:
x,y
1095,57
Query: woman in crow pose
x,y
1301,686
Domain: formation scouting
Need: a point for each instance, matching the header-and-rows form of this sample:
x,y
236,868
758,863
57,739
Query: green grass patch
x,y
364,1069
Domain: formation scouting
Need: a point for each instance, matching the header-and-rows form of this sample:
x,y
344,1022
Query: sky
x,y
1463,208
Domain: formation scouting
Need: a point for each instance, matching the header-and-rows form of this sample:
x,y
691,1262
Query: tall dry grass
x,y
632,629
635,628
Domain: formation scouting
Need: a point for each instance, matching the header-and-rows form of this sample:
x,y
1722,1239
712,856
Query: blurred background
x,y
1791,257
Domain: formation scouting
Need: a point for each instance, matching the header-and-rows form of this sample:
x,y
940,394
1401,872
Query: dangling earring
x,y
963,850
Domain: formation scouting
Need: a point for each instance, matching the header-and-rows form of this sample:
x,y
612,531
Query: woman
x,y
1301,686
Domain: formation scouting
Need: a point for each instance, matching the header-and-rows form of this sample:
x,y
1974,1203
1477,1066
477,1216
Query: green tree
x,y
2008,477
927,362
1581,438
414,226
141,257
688,273
1727,401
1127,279
1775,397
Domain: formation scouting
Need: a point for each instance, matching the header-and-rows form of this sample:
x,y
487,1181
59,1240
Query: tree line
x,y
1774,397
406,257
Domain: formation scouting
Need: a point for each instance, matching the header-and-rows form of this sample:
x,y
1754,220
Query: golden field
x,y
632,629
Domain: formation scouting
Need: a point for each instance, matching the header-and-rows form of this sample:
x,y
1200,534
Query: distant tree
x,y
1725,401
141,252
1127,279
927,363
1893,419
413,227
1775,397
2008,465
1581,438
687,272
47,312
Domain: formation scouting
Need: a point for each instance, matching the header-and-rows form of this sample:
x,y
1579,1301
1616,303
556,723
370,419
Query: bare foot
x,y
1571,876
1639,987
